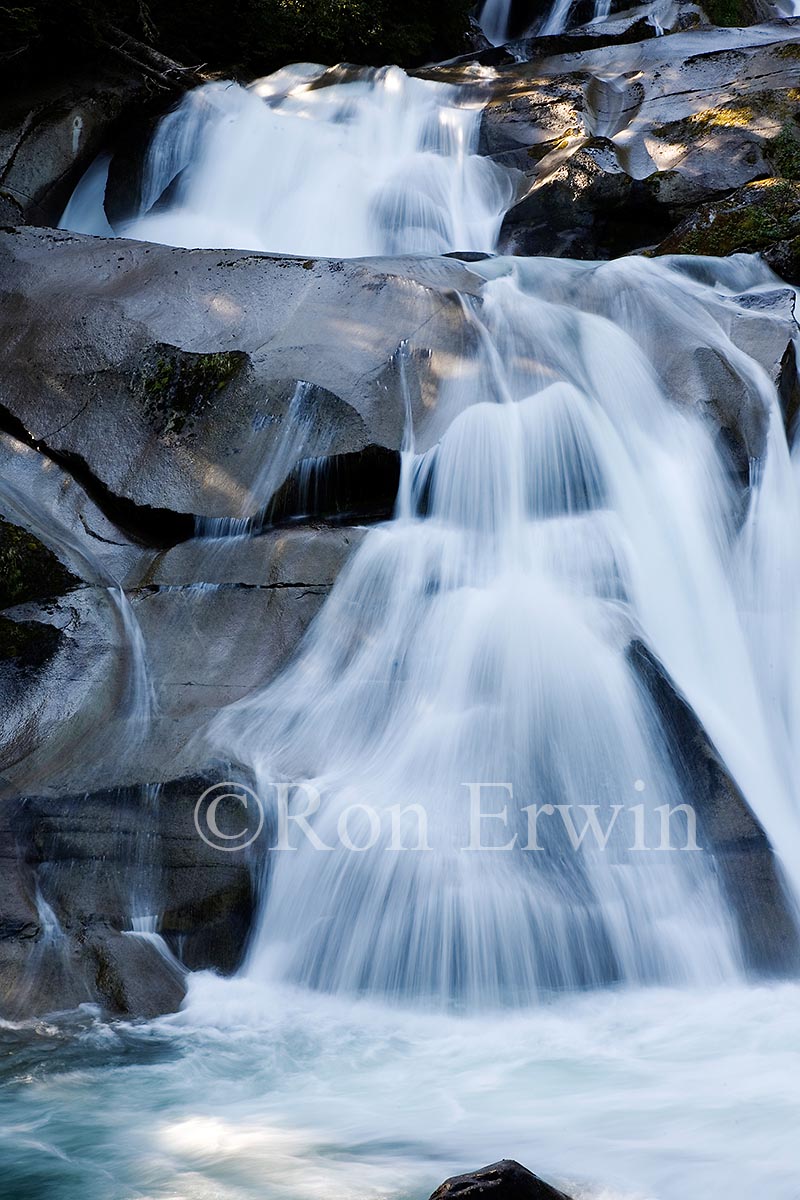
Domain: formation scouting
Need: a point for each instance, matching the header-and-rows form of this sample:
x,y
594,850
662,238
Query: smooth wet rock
x,y
74,873
167,375
505,1180
748,869
615,146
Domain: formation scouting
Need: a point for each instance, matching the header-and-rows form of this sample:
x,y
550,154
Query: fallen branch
x,y
155,66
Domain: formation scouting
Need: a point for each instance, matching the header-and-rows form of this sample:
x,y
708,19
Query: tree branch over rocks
x,y
152,64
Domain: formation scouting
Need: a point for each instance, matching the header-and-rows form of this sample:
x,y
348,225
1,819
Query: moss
x,y
28,644
178,386
728,13
753,219
28,570
784,151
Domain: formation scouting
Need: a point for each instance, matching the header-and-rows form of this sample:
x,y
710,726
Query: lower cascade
x,y
523,764
484,637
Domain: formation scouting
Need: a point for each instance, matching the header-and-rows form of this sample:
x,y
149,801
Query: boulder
x,y
505,1180
615,146
135,676
171,398
109,897
49,135
761,217
750,874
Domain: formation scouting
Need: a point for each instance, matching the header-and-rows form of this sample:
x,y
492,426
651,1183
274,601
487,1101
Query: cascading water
x,y
496,19
571,508
580,501
485,641
378,164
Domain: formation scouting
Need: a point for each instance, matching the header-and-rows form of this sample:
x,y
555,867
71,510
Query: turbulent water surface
x,y
400,1017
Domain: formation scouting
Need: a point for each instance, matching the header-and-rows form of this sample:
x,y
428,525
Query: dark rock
x,y
28,569
344,487
505,1180
91,864
27,644
49,135
131,977
733,12
748,869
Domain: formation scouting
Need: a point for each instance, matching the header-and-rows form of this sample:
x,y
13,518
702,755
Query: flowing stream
x,y
405,1014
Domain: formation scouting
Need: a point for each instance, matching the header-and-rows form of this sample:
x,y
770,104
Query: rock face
x,y
615,146
49,138
505,1180
194,384
760,217
746,864
79,872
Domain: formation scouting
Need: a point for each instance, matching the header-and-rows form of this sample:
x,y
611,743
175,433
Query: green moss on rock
x,y
27,644
784,151
178,386
751,219
730,13
28,570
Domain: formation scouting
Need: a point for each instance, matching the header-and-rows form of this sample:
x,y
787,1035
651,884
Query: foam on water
x,y
570,507
628,1095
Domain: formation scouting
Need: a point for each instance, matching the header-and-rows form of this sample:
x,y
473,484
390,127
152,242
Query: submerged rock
x,y
505,1180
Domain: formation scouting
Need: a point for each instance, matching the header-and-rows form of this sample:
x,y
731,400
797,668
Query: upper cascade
x,y
336,164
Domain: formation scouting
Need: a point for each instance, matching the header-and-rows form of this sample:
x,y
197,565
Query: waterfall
x,y
299,163
477,651
571,506
496,19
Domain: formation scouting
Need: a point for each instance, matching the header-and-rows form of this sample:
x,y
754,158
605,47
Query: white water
x,y
654,1095
495,18
382,164
577,499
